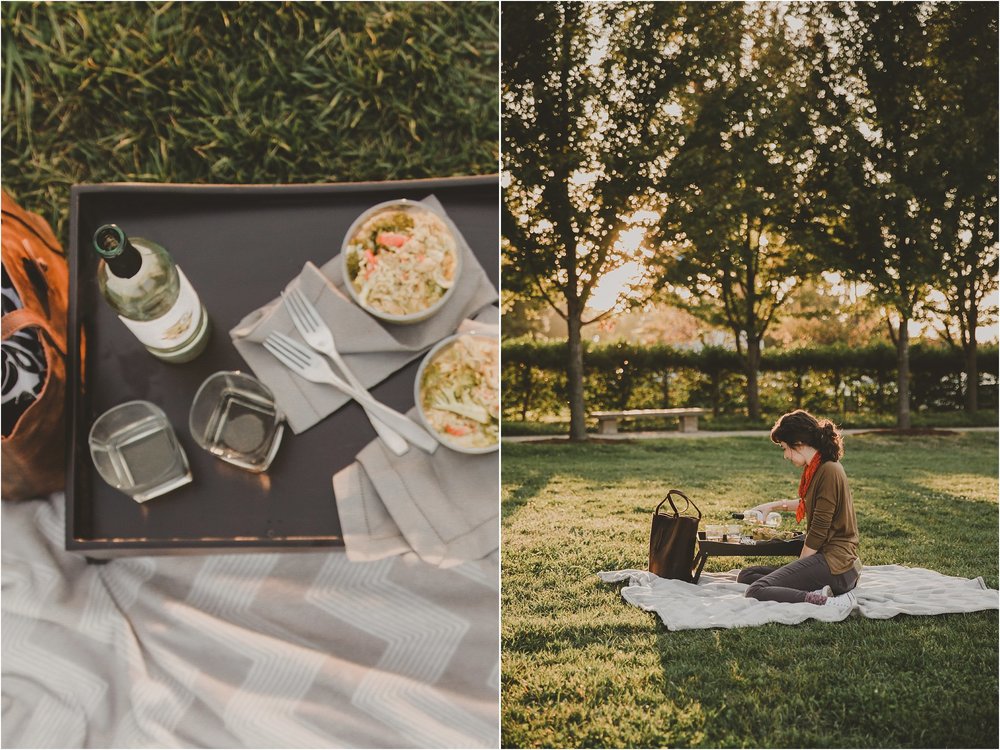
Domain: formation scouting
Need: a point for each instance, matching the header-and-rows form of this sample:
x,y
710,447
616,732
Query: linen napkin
x,y
372,349
443,506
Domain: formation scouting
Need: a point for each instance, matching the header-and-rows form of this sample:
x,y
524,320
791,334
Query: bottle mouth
x,y
109,241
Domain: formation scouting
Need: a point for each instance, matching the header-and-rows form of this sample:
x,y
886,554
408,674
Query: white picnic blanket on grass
x,y
295,649
718,601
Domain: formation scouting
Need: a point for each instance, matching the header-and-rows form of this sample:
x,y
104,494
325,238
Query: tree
x,y
963,118
572,143
875,190
825,313
726,194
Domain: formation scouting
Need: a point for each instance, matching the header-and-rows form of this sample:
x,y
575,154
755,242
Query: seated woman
x,y
828,567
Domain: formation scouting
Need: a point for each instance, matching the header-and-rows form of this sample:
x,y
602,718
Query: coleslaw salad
x,y
458,392
401,260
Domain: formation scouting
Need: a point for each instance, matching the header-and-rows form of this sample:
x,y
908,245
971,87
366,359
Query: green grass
x,y
251,92
583,669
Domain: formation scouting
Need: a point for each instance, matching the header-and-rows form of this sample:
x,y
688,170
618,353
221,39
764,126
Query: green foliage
x,y
858,140
935,360
260,92
581,668
873,180
573,146
963,124
902,186
728,192
829,379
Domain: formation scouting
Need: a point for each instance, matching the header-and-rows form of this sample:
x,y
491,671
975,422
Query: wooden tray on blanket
x,y
239,245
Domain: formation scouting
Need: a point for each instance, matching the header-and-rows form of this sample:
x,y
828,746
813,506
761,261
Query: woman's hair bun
x,y
831,444
802,428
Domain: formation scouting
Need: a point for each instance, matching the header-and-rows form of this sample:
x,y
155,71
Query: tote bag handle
x,y
669,499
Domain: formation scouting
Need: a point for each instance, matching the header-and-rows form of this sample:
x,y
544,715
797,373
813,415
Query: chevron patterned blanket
x,y
718,601
261,650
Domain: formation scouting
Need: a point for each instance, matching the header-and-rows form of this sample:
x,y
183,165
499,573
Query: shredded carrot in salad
x,y
460,392
402,260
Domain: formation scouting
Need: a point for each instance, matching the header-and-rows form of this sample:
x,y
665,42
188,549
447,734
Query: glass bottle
x,y
151,295
752,516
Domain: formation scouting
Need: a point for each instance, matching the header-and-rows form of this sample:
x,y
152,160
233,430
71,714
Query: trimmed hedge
x,y
831,379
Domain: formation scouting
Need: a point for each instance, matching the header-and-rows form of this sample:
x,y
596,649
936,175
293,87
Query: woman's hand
x,y
765,508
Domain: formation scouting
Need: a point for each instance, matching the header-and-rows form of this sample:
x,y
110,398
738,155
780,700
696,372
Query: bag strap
x,y
669,499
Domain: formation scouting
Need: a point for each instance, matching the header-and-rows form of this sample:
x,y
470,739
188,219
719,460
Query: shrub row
x,y
829,379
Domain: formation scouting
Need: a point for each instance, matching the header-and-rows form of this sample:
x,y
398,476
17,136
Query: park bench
x,y
607,421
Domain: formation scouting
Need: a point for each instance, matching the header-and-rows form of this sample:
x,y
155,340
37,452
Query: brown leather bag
x,y
671,540
34,460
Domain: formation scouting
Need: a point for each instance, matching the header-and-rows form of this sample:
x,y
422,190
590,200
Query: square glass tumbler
x,y
234,417
136,451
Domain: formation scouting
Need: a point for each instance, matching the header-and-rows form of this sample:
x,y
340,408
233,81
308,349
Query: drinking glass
x,y
234,417
136,451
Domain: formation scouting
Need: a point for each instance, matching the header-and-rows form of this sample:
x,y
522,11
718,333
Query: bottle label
x,y
175,326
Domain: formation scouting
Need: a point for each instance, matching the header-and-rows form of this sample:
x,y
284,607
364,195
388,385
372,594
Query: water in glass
x,y
136,451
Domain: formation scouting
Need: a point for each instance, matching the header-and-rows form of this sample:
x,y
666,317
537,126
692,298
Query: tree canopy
x,y
753,147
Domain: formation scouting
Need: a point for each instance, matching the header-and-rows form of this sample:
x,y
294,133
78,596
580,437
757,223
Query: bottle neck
x,y
120,255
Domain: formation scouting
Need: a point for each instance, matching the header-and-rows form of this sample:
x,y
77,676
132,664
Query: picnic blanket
x,y
718,601
298,649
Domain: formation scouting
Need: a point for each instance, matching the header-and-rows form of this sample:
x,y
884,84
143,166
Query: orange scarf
x,y
807,475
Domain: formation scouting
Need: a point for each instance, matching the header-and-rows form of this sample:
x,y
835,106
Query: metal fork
x,y
309,365
318,335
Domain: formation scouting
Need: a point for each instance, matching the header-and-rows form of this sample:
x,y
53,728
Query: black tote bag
x,y
672,538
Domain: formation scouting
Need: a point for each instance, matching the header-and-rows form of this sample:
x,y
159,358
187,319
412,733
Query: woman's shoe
x,y
846,601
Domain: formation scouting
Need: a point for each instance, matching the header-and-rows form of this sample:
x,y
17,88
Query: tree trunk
x,y
574,376
753,367
716,396
666,389
903,375
527,388
971,376
626,384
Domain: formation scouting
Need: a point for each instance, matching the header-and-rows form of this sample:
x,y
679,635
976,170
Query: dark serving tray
x,y
760,549
238,245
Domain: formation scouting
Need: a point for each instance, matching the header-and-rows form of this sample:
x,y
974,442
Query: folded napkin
x,y
443,506
372,349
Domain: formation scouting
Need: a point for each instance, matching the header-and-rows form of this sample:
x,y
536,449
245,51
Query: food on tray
x,y
401,260
764,534
459,393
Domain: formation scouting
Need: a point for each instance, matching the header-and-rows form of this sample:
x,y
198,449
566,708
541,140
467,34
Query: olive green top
x,y
831,526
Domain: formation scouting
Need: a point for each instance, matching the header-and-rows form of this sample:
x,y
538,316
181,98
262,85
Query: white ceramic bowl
x,y
427,218
418,395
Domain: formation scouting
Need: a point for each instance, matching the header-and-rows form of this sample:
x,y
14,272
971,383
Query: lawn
x,y
583,669
247,92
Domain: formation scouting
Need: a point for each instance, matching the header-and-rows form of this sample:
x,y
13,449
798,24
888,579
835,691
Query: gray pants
x,y
790,583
